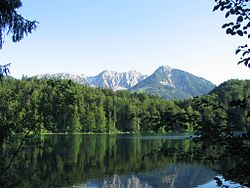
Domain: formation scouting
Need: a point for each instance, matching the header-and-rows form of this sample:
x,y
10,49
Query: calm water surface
x,y
108,161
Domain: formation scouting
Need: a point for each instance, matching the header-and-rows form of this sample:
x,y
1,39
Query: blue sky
x,y
88,36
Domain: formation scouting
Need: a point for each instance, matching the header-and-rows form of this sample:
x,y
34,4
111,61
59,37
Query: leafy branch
x,y
13,23
240,26
4,70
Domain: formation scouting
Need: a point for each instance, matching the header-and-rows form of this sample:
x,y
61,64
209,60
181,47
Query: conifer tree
x,y
14,24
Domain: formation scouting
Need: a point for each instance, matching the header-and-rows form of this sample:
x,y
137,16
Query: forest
x,y
62,106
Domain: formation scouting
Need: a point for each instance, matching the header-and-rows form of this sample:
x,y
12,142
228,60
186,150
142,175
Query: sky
x,y
89,36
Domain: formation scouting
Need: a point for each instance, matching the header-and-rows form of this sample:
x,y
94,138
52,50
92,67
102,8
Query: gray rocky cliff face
x,y
165,82
173,84
106,79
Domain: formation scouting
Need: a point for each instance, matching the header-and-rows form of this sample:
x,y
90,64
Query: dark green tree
x,y
14,24
100,116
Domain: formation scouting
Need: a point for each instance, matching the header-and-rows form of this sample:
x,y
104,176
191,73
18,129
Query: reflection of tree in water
x,y
230,157
66,160
235,147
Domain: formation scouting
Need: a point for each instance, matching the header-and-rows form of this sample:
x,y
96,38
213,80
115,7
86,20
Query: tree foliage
x,y
64,106
238,12
4,70
13,23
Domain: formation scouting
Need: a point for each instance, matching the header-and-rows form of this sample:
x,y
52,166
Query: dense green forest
x,y
62,106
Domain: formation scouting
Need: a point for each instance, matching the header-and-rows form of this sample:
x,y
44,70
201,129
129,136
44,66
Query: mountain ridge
x,y
166,82
174,84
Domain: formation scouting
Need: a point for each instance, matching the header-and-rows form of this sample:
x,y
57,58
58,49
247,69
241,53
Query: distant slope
x,y
165,82
80,79
106,79
191,84
116,80
173,84
232,90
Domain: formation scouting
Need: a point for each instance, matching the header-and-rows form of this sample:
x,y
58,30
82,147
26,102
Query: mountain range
x,y
165,82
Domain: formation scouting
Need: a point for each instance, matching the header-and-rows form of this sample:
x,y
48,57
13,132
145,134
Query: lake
x,y
108,161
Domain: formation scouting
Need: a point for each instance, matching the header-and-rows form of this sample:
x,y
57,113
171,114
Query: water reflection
x,y
105,161
178,176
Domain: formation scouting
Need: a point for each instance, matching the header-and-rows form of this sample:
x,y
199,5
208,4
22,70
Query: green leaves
x,y
227,14
63,106
239,19
240,33
245,52
227,25
216,7
229,31
237,51
240,26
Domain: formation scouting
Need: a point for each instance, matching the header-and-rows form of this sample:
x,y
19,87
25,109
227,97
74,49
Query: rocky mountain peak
x,y
163,70
81,78
116,80
106,73
165,81
163,75
173,84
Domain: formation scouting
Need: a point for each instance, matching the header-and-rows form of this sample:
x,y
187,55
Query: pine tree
x,y
13,23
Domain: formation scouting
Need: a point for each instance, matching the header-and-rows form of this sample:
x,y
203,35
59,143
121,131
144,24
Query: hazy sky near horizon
x,y
88,36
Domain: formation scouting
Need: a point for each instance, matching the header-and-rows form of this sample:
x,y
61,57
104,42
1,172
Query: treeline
x,y
63,106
